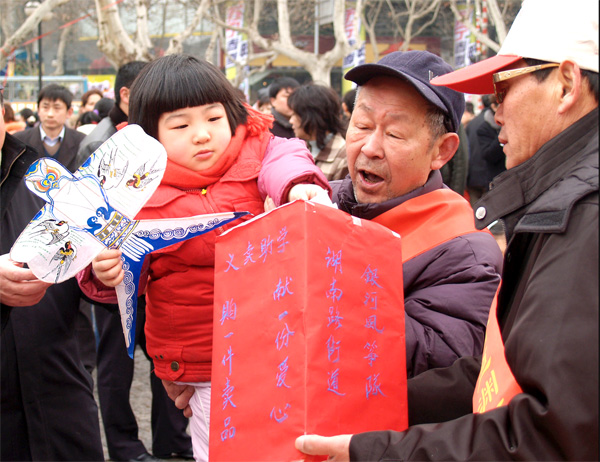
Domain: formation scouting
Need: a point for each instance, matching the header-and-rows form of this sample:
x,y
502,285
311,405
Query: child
x,y
221,157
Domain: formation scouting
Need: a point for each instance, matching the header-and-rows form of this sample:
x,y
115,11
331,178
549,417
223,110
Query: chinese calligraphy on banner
x,y
308,332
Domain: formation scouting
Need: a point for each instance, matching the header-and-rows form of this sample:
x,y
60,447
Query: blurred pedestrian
x,y
29,117
486,157
88,101
11,123
279,90
316,118
468,115
52,138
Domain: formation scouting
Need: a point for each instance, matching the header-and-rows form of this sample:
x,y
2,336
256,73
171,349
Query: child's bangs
x,y
193,86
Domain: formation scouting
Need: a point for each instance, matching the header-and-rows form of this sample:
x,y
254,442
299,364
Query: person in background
x,y
103,107
88,101
87,122
29,117
47,406
348,103
486,157
263,103
468,115
455,171
115,367
90,119
11,123
316,120
535,394
53,138
279,90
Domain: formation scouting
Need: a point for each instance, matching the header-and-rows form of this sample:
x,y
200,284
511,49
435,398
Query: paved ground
x,y
140,399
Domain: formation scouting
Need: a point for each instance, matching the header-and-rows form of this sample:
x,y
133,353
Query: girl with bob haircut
x,y
220,157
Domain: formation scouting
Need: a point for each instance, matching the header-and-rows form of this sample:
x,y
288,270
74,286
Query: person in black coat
x,y
486,157
47,406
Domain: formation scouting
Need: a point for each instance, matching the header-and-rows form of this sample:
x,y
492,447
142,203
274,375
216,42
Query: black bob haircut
x,y
178,81
54,92
319,109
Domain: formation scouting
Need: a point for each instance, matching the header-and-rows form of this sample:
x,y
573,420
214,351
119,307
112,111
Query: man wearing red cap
x,y
533,395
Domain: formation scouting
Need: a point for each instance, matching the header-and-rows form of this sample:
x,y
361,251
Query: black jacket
x,y
486,156
548,317
47,408
67,152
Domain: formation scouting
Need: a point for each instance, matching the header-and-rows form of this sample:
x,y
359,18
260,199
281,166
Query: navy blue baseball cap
x,y
418,68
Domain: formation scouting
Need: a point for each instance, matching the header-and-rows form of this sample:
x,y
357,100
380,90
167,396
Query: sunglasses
x,y
500,90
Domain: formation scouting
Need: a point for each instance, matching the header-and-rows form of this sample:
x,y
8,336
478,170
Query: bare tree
x,y
27,28
318,66
176,43
114,41
498,19
414,18
370,15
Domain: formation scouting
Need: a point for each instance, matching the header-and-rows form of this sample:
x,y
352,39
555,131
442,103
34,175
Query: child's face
x,y
195,137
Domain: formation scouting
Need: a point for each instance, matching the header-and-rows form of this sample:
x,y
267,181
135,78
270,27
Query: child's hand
x,y
310,192
108,267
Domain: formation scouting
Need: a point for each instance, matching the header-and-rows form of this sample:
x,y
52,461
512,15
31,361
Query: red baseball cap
x,y
476,79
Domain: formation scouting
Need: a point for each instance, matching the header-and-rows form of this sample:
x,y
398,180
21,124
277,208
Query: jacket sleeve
x,y
552,350
448,292
288,162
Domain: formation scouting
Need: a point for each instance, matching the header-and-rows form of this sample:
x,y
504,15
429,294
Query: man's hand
x,y
18,285
336,447
309,192
181,395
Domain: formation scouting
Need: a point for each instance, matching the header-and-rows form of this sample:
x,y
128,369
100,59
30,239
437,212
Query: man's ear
x,y
443,150
569,78
124,95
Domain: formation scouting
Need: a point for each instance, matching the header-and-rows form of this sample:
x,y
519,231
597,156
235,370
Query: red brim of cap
x,y
475,79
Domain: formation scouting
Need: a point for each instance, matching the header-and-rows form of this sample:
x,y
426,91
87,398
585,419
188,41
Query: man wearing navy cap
x,y
533,395
402,131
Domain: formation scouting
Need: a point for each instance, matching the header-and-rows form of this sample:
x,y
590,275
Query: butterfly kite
x,y
94,208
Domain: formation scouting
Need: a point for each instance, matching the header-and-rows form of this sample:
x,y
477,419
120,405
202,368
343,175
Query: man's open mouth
x,y
369,177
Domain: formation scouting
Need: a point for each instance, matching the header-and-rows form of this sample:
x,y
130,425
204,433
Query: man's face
x,y
280,102
388,142
53,114
526,116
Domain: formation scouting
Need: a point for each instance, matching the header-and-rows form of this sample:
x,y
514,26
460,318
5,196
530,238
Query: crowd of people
x,y
501,344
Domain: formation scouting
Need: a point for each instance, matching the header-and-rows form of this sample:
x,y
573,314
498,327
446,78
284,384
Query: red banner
x,y
308,332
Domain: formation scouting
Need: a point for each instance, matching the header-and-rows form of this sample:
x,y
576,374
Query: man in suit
x,y
52,138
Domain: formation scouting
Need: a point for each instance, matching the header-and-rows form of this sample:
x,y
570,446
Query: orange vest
x,y
428,221
496,384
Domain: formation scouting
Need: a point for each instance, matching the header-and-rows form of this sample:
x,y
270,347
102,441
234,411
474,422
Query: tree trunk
x,y
113,40
27,28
